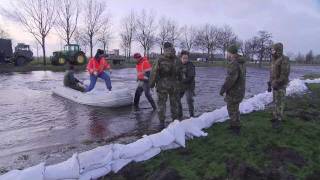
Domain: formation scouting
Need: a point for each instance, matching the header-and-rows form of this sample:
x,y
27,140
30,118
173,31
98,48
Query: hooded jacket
x,y
280,69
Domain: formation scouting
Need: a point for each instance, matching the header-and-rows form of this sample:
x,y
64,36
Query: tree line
x,y
87,23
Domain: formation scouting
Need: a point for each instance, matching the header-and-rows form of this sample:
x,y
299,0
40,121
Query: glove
x,y
95,73
269,87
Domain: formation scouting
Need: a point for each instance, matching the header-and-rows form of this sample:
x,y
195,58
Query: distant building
x,y
114,52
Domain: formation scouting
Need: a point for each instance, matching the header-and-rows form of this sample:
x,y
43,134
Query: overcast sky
x,y
296,23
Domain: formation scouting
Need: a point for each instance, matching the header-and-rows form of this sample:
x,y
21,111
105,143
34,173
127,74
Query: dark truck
x,y
22,54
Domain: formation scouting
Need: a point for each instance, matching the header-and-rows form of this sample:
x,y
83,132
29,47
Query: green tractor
x,y
70,54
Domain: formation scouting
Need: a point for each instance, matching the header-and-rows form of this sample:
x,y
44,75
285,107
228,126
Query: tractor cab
x,y
72,48
22,47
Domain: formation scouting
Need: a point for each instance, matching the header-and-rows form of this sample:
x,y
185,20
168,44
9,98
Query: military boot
x,y
235,130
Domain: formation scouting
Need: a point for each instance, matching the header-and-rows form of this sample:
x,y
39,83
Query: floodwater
x,y
36,126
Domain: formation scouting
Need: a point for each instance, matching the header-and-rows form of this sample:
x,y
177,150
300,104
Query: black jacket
x,y
188,76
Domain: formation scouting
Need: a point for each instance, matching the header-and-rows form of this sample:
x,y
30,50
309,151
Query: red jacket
x,y
143,67
98,66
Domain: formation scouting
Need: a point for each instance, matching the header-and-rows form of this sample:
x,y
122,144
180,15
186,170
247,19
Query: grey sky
x,y
296,23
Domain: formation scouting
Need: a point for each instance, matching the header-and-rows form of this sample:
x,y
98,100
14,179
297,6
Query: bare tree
x,y
146,31
309,57
207,39
188,38
83,41
174,32
37,16
163,35
128,32
67,21
94,20
249,48
3,34
226,37
264,42
105,35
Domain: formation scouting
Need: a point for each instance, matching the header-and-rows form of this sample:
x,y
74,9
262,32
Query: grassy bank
x,y
259,153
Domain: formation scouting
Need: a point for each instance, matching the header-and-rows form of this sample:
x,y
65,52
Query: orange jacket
x,y
143,66
98,66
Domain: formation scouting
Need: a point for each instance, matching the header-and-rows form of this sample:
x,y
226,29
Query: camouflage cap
x,y
167,45
233,49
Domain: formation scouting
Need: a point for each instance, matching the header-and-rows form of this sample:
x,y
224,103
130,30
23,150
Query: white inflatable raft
x,y
105,98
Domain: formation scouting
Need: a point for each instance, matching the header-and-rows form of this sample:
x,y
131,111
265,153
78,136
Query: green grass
x,y
208,157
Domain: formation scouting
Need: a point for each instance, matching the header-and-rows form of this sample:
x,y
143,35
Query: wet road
x,y
37,126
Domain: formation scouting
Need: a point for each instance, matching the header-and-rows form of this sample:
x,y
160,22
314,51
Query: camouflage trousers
x,y
175,105
189,96
234,113
279,104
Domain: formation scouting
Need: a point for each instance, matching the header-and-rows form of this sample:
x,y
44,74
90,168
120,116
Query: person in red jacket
x,y
96,68
143,73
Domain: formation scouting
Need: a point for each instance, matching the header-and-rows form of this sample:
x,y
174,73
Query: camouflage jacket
x,y
279,72
235,82
166,74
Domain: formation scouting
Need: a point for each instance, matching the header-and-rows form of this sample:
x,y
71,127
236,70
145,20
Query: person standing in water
x,y
96,68
143,73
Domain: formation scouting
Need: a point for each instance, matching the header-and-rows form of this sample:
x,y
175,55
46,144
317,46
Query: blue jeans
x,y
93,80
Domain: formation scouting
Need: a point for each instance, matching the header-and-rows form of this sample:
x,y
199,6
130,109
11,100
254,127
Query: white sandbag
x,y
34,173
147,155
14,175
218,115
68,169
116,148
178,132
119,164
173,145
312,81
96,173
191,129
133,149
162,138
95,158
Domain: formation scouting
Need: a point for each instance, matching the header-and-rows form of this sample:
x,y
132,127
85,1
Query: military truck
x,y
71,54
22,54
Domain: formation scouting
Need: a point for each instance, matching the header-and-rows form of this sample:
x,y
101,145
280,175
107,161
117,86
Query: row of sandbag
x,y
102,160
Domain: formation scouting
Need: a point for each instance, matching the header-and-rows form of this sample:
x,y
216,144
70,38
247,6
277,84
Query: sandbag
x,y
162,138
96,173
95,158
178,132
68,169
34,173
14,175
133,149
192,129
117,165
147,155
173,145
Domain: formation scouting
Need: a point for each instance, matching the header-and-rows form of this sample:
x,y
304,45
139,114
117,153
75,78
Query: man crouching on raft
x,y
96,68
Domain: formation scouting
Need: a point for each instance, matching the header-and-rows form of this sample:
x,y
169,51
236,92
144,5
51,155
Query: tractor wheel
x,y
80,59
61,61
20,61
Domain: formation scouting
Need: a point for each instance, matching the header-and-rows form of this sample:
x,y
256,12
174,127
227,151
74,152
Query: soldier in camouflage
x,y
279,78
188,81
234,87
166,75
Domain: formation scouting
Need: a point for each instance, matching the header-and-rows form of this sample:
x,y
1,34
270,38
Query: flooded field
x,y
36,126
